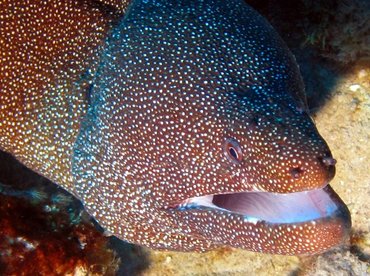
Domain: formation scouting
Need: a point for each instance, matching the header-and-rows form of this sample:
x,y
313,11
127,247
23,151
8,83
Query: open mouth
x,y
272,207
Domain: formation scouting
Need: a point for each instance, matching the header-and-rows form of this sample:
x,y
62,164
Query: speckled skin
x,y
48,55
173,86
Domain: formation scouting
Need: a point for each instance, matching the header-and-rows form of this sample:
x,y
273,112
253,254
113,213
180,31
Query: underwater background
x,y
45,231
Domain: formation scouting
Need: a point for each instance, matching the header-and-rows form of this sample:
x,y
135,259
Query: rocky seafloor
x,y
44,231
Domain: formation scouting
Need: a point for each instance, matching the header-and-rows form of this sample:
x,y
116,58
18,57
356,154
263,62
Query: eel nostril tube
x,y
328,164
329,161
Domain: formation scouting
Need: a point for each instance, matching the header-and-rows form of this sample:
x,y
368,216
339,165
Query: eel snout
x,y
311,175
301,164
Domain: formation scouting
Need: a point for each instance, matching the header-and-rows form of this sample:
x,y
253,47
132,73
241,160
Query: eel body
x,y
180,125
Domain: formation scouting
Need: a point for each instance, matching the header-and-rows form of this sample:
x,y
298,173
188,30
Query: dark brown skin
x,y
182,101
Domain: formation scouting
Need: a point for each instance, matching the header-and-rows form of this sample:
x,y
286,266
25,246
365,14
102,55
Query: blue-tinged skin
x,y
191,132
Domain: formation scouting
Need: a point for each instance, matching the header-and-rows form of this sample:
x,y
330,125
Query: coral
x,y
337,30
340,28
335,262
44,231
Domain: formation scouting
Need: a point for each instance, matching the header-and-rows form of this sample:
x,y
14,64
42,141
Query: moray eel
x,y
180,125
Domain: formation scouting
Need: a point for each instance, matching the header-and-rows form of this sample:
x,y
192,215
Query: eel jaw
x,y
321,208
271,207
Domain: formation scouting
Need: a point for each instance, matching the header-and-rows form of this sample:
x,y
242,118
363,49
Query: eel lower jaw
x,y
273,208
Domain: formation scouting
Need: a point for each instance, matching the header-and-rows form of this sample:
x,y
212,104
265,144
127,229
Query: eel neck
x,y
48,59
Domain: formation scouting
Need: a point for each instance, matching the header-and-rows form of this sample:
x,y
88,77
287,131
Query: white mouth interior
x,y
271,207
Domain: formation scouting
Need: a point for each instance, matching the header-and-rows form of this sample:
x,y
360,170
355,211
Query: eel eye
x,y
233,151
